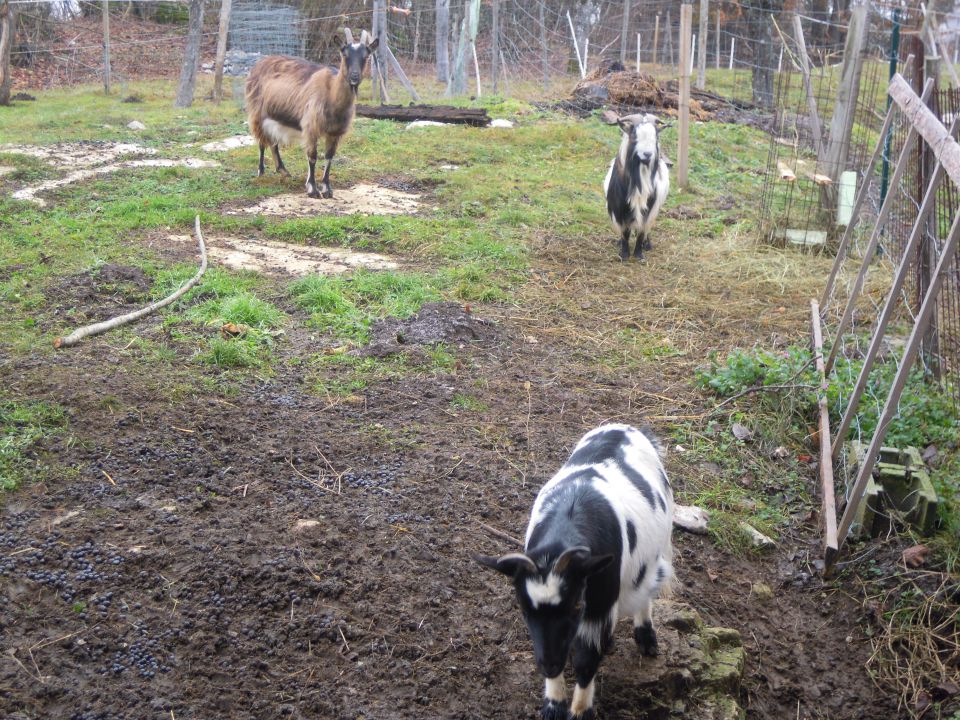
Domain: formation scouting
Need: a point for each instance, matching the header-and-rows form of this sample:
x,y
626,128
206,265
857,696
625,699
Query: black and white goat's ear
x,y
508,564
373,44
571,559
580,561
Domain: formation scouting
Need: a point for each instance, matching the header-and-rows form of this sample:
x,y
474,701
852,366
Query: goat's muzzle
x,y
645,157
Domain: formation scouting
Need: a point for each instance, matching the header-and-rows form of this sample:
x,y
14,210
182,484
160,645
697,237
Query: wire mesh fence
x,y
521,47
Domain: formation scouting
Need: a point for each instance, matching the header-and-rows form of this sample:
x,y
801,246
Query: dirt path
x,y
165,569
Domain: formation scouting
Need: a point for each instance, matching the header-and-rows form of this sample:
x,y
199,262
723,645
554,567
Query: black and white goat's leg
x,y
586,662
555,699
625,243
312,171
643,243
261,169
643,633
332,142
647,245
278,163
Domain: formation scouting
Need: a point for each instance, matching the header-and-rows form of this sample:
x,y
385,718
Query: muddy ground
x,y
164,569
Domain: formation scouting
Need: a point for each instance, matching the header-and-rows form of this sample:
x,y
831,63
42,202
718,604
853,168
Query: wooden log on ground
x,y
438,113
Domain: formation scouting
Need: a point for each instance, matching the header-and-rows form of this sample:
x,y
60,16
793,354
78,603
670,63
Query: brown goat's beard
x,y
354,89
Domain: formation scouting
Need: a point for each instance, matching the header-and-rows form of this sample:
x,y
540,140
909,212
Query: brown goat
x,y
291,100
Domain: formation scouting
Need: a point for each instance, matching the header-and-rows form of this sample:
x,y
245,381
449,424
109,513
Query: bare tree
x,y
443,33
191,56
6,42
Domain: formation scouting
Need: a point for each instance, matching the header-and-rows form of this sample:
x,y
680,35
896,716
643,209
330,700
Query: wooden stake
x,y
624,32
733,45
683,103
105,10
576,48
702,47
226,7
656,38
828,499
401,75
495,47
808,86
717,41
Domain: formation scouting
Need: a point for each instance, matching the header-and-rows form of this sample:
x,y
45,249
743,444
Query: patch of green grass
x,y
343,374
230,353
737,485
21,425
467,403
348,306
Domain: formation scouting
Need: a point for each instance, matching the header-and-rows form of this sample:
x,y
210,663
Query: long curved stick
x,y
100,327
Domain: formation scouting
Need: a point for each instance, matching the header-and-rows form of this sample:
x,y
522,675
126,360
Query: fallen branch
x,y
500,534
789,385
101,327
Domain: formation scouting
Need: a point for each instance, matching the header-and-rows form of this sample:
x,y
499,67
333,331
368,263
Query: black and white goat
x,y
597,549
637,182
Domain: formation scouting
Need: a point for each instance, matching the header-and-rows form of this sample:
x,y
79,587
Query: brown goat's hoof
x,y
327,194
314,194
284,172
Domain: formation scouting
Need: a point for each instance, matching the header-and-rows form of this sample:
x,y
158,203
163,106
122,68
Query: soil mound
x,y
435,323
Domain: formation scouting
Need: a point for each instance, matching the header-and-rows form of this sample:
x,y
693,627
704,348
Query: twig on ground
x,y
500,534
101,327
789,385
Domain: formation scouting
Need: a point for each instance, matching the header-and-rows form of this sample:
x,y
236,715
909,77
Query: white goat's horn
x,y
364,37
348,35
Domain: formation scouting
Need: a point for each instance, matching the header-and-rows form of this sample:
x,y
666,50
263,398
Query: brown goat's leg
x,y
332,142
277,161
261,170
311,172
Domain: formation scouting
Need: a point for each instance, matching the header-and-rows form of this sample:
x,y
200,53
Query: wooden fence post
x,y
6,43
226,7
656,39
683,130
624,32
495,47
717,40
702,44
544,47
105,10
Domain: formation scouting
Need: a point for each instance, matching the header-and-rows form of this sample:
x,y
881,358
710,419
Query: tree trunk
x,y
6,42
764,61
225,9
495,46
443,33
468,36
191,56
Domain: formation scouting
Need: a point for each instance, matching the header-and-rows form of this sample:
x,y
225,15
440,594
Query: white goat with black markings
x,y
637,182
597,549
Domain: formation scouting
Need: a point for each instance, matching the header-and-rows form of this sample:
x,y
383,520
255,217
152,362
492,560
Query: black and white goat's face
x,y
642,135
551,600
355,55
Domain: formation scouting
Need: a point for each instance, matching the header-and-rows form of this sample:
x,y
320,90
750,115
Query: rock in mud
x,y
697,674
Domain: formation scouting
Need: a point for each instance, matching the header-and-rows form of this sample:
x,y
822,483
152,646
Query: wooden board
x,y
438,113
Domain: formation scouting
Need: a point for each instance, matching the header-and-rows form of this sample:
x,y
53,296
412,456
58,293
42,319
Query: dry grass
x,y
917,651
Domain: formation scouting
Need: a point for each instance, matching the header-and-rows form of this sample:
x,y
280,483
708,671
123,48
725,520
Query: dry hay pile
x,y
628,89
